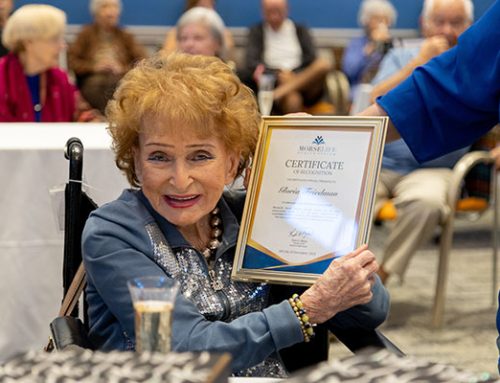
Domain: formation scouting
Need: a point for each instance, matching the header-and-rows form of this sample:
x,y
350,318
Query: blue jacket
x,y
118,245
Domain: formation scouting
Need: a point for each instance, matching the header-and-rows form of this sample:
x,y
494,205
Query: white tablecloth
x,y
31,244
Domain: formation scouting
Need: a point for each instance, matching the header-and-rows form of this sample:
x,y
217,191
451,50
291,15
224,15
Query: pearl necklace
x,y
215,235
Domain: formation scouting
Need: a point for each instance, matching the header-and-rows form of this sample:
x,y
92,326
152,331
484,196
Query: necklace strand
x,y
215,234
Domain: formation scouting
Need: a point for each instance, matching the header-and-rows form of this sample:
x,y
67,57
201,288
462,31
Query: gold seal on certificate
x,y
310,197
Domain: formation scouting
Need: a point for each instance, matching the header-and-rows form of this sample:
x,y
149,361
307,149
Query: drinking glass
x,y
153,299
265,93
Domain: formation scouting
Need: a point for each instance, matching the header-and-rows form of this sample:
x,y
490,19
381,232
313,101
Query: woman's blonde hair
x,y
185,92
32,21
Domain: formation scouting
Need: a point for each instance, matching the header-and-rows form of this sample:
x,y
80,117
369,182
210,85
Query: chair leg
x,y
442,275
494,282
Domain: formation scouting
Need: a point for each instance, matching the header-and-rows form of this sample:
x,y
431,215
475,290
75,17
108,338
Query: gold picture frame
x,y
310,196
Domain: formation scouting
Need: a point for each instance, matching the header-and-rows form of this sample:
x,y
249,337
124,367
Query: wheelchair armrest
x,y
69,331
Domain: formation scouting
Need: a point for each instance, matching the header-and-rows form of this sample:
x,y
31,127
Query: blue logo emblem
x,y
319,140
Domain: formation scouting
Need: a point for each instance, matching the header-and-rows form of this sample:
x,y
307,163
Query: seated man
x,y
281,46
419,190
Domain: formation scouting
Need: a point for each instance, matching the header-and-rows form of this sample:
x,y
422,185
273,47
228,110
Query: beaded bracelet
x,y
305,325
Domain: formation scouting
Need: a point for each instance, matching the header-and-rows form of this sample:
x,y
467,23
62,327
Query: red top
x,y
15,97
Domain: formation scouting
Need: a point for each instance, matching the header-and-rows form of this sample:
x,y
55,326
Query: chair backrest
x,y
78,206
67,329
476,189
478,180
338,91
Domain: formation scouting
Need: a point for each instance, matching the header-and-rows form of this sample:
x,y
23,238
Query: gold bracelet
x,y
305,325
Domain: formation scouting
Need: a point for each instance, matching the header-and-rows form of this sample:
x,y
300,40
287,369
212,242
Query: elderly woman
x,y
200,31
102,53
32,88
172,39
363,55
183,128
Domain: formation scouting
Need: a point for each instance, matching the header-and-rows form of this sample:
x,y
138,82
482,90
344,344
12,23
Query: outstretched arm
x,y
376,111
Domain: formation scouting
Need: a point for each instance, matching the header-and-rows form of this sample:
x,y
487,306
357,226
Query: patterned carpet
x,y
467,339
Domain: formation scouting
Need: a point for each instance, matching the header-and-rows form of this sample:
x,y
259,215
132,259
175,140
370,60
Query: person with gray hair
x,y
419,190
102,53
450,101
363,54
442,22
171,43
201,31
32,88
96,5
280,46
429,5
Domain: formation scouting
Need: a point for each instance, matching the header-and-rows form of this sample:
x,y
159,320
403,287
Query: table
x,y
79,365
31,242
85,366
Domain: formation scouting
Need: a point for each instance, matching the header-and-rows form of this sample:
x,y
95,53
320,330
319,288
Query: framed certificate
x,y
310,197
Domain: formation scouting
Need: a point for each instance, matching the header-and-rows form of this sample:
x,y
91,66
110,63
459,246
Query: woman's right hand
x,y
346,283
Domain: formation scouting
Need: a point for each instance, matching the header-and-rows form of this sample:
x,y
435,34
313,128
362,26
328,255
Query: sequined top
x,y
210,288
127,238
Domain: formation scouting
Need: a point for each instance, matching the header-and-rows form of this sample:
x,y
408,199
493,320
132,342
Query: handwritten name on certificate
x,y
309,200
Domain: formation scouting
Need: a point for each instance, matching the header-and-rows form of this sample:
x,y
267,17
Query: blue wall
x,y
238,13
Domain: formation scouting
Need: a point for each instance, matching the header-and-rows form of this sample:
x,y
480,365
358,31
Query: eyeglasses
x,y
454,24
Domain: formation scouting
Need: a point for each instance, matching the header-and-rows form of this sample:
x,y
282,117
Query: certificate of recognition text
x,y
309,200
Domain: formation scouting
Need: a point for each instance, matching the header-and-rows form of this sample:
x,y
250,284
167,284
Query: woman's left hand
x,y
346,283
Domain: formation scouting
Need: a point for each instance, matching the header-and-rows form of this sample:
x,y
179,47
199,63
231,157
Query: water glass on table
x,y
153,299
265,93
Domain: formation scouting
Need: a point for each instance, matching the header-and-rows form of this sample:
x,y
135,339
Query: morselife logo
x,y
319,141
318,145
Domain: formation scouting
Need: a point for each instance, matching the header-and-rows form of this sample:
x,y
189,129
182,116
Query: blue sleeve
x,y
115,253
368,316
393,62
453,99
249,338
354,60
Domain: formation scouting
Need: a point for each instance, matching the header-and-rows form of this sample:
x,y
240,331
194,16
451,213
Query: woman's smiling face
x,y
182,174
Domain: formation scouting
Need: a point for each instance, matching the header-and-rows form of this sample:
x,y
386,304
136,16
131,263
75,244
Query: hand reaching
x,y
346,283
